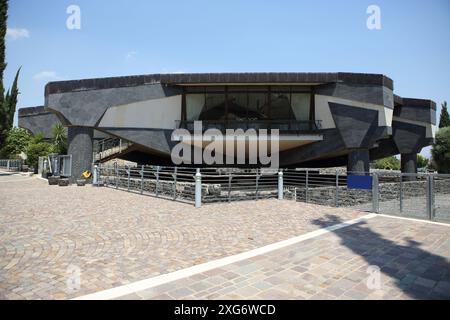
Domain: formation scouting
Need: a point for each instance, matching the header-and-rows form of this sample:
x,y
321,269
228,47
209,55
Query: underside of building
x,y
324,119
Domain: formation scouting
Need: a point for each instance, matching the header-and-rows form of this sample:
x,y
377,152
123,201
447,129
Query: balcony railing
x,y
284,126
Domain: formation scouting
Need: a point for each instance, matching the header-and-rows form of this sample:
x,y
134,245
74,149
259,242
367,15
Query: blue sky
x,y
124,37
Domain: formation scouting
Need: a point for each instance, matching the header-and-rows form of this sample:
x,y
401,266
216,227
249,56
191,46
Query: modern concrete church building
x,y
324,119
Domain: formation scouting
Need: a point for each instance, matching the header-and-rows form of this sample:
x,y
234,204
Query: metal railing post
x,y
158,168
257,184
280,185
142,179
128,182
174,175
198,189
117,175
401,193
429,190
433,207
336,194
306,185
229,187
375,194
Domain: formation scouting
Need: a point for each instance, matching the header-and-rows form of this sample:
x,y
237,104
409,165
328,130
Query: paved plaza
x,y
412,263
67,242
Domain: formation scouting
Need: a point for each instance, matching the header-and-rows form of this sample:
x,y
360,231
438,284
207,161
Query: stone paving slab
x,y
64,242
411,258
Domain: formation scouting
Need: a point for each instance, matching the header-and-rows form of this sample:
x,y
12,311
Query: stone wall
x,y
186,190
352,197
164,188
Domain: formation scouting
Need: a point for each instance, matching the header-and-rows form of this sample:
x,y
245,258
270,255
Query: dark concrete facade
x,y
80,147
361,118
38,120
358,161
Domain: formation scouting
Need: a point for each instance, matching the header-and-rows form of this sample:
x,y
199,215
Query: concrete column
x,y
409,165
80,147
358,162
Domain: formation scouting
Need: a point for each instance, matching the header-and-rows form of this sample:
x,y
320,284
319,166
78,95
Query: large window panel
x,y
194,106
247,103
281,106
301,105
258,108
237,106
214,108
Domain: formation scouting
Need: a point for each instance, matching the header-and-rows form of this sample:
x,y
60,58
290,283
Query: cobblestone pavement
x,y
413,260
413,207
115,237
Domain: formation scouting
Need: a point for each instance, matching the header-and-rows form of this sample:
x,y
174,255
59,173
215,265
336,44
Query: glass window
x,y
237,106
300,105
258,108
214,108
250,104
281,106
194,106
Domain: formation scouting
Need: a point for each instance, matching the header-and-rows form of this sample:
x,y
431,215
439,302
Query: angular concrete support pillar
x,y
358,162
80,141
409,165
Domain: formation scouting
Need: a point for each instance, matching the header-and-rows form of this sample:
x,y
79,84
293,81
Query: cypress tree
x,y
445,118
8,102
3,18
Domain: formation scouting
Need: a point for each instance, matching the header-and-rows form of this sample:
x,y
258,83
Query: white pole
x,y
198,189
280,185
95,176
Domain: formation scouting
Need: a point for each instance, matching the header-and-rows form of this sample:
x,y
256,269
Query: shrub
x,y
441,150
389,163
59,139
422,162
16,142
37,148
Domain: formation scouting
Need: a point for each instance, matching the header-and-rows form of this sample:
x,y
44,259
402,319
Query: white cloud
x,y
131,56
47,75
17,33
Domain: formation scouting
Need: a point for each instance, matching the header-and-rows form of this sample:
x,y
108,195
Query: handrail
x,y
287,125
108,147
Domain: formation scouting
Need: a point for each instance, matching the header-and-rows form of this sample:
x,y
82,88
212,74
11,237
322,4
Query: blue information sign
x,y
359,182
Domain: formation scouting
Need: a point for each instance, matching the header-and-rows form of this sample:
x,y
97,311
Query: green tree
x,y
444,120
8,102
37,147
441,150
3,18
59,139
422,162
16,142
389,163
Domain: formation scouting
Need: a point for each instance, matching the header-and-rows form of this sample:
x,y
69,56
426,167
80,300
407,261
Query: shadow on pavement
x,y
7,174
418,273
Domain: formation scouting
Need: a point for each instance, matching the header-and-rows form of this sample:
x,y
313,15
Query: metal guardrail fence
x,y
108,147
165,182
299,126
11,164
424,196
226,185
